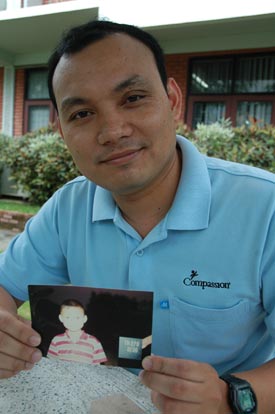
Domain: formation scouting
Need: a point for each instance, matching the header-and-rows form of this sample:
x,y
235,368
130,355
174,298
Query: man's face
x,y
115,115
72,317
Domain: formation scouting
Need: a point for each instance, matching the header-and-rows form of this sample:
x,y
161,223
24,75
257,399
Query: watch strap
x,y
229,379
233,383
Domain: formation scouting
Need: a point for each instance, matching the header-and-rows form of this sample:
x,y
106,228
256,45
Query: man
x,y
152,214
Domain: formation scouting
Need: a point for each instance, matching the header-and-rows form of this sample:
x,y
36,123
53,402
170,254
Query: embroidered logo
x,y
191,281
193,274
164,304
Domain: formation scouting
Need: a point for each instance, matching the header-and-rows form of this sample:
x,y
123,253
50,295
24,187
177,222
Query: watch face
x,y
246,400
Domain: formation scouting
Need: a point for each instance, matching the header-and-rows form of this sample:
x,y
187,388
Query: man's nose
x,y
112,128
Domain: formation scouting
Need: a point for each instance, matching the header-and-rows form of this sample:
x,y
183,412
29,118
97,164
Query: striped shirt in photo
x,y
86,349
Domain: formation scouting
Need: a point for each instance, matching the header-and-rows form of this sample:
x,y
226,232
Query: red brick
x,y
13,220
19,102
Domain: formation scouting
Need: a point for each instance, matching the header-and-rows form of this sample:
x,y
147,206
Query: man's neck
x,y
144,210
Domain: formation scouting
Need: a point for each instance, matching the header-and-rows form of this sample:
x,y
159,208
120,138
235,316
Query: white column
x,y
6,186
13,4
8,100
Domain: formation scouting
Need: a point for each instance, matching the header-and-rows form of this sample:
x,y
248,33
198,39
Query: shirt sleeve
x,y
268,278
99,354
35,256
52,351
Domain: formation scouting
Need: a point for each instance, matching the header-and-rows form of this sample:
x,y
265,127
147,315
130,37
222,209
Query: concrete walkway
x,y
5,238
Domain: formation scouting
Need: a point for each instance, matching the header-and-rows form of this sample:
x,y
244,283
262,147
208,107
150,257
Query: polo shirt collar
x,y
191,206
104,207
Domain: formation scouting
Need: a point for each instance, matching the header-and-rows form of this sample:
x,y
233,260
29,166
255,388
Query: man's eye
x,y
81,114
134,98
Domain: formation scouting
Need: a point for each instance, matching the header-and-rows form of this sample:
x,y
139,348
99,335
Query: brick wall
x,y
19,102
12,220
177,67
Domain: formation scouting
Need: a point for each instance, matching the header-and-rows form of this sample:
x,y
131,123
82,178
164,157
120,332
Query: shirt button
x,y
140,252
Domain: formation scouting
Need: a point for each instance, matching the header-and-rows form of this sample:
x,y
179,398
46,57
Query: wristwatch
x,y
242,398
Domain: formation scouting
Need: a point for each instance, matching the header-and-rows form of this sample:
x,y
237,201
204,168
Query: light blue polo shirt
x,y
210,262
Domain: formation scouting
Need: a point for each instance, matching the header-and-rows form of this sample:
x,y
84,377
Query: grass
x,y
19,206
24,310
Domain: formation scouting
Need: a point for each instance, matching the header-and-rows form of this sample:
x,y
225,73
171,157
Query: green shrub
x,y
248,145
39,164
215,138
254,146
4,141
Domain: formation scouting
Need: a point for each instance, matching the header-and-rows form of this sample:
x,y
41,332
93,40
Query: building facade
x,y
224,61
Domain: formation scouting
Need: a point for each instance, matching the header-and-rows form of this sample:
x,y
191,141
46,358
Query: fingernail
x,y
36,356
147,363
141,374
34,340
28,365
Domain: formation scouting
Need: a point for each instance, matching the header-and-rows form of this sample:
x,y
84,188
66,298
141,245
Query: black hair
x,y
72,302
79,37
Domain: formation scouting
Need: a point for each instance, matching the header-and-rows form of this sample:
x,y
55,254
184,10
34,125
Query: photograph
x,y
92,325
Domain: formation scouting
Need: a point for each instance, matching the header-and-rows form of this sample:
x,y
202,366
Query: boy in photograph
x,y
75,344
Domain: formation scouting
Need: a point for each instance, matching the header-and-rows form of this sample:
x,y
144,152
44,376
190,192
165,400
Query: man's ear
x,y
175,99
59,128
85,318
60,318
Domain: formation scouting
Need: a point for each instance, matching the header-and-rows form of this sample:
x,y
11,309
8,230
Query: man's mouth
x,y
121,157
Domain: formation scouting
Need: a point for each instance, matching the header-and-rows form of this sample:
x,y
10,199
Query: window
x,y
253,111
212,76
255,75
239,87
39,111
207,112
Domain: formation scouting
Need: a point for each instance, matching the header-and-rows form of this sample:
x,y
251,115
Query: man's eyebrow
x,y
71,101
131,81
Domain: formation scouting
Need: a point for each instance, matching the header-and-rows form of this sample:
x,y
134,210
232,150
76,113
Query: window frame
x,y
231,98
231,104
36,102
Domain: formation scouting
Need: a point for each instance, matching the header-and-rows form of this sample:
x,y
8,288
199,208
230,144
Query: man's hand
x,y
17,345
184,386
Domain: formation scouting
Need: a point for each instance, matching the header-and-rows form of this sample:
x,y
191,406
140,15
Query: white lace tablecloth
x,y
58,387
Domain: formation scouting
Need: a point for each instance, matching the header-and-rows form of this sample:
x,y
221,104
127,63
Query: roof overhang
x,y
247,32
28,37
